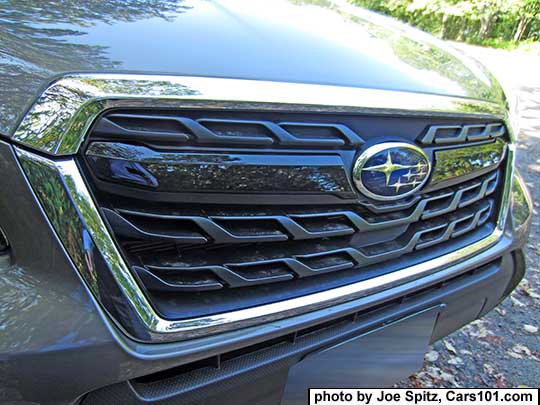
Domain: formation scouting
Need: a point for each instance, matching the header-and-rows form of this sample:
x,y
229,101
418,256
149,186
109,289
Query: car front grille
x,y
212,214
183,240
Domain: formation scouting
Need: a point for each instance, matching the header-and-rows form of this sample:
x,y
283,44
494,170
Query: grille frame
x,y
66,132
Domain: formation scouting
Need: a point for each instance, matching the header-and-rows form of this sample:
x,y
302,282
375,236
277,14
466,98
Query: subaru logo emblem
x,y
390,171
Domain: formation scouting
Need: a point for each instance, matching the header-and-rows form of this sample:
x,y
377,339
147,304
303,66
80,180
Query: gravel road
x,y
501,349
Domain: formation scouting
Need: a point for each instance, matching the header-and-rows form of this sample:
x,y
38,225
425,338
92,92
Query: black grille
x,y
447,134
3,242
195,255
222,131
436,218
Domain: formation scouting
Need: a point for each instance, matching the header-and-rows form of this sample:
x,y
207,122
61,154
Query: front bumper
x,y
75,348
260,376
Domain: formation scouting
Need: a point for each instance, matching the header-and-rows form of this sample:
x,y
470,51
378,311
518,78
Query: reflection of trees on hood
x,y
428,57
28,34
33,44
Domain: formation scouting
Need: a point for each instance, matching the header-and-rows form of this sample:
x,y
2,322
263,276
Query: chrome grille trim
x,y
88,96
75,101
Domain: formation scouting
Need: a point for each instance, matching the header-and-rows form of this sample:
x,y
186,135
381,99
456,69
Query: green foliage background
x,y
499,23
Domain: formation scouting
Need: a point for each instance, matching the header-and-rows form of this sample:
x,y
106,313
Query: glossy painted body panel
x,y
386,355
288,42
46,315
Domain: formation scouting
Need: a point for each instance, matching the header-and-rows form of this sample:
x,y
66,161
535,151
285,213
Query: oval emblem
x,y
390,171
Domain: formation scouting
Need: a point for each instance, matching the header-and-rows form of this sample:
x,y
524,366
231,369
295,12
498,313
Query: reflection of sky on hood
x,y
316,29
339,29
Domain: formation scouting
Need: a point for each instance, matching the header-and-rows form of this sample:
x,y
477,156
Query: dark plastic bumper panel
x,y
227,378
377,358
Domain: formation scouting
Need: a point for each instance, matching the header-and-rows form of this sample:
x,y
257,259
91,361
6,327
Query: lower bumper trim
x,y
266,364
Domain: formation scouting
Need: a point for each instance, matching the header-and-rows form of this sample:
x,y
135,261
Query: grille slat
x,y
298,266
448,134
213,229
177,281
211,131
229,276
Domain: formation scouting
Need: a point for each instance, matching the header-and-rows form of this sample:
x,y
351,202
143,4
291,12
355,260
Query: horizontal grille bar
x,y
427,234
447,134
266,228
142,167
213,131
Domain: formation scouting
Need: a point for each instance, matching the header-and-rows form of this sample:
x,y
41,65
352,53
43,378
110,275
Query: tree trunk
x,y
521,28
486,25
461,33
444,26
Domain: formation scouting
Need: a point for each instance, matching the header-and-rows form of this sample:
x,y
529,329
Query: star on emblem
x,y
398,184
389,167
410,175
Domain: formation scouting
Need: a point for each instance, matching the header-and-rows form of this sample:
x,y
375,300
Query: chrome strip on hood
x,y
60,118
